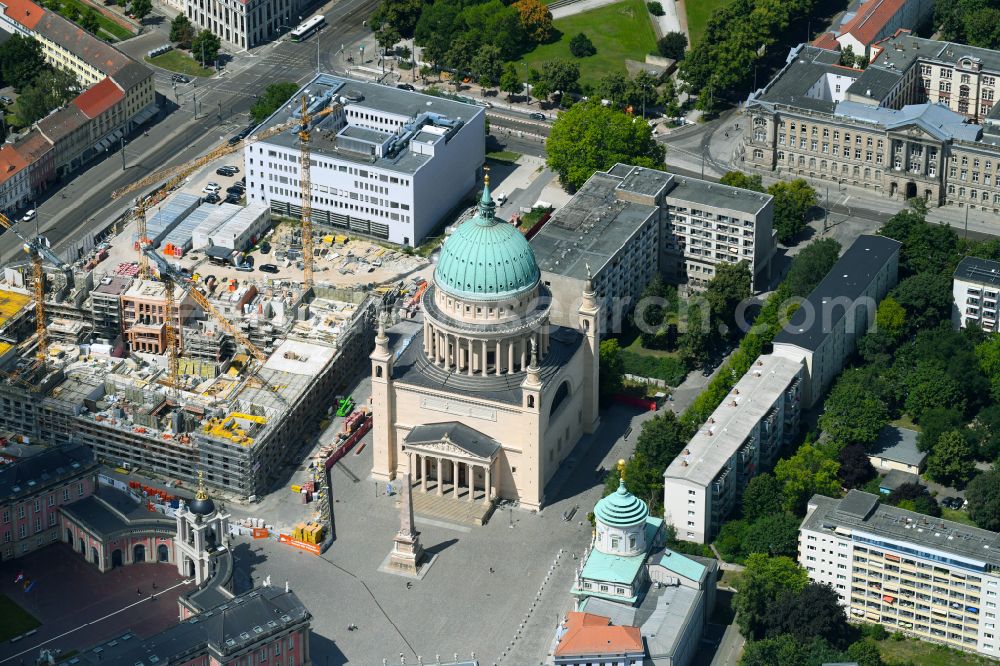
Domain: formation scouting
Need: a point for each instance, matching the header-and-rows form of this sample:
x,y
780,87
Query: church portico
x,y
452,460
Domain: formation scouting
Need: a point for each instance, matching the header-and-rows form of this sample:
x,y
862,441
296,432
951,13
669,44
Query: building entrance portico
x,y
451,462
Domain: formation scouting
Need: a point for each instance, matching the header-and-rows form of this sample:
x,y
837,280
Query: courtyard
x,y
79,606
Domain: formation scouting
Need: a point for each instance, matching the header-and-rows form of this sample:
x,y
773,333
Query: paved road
x,y
196,117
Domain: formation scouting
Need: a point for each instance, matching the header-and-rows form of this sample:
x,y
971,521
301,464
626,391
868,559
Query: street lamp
x,y
123,153
527,88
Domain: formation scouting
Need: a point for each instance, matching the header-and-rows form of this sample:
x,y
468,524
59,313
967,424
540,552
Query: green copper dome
x,y
621,508
485,258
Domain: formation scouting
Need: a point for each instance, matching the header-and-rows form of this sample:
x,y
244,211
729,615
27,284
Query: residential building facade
x,y
927,577
919,121
975,287
15,190
34,489
703,485
117,95
378,160
824,331
628,224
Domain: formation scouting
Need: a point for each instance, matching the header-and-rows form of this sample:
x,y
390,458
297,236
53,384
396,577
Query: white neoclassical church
x,y
488,399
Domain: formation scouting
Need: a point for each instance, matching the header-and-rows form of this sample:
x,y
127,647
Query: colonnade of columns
x,y
481,357
428,470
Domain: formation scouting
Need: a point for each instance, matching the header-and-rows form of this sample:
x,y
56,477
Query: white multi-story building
x,y
387,163
975,286
243,23
629,223
743,436
934,579
823,332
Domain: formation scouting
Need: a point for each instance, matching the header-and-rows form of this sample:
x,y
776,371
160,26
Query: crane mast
x,y
306,189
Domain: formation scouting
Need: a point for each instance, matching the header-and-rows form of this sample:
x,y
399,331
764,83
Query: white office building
x,y
975,286
386,163
243,24
705,482
931,578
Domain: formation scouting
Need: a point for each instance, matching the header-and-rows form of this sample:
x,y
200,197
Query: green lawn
x,y
620,31
905,421
182,63
921,653
109,30
503,156
698,13
16,620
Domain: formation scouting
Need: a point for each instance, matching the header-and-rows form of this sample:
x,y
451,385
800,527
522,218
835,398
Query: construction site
x,y
160,369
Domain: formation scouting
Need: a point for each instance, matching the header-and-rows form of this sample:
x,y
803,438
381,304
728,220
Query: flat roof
x,y
590,229
717,195
300,358
980,271
114,285
361,96
11,304
731,423
862,512
665,627
847,279
898,445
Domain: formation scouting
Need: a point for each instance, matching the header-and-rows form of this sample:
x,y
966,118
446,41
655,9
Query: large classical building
x,y
243,23
486,398
931,578
386,163
919,121
630,223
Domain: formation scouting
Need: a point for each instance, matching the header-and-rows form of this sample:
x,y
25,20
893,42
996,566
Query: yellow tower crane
x,y
39,252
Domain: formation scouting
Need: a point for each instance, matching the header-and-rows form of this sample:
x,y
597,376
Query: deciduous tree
x,y
762,497
536,19
792,202
812,612
581,46
672,45
809,472
951,460
21,59
811,264
205,47
930,387
983,495
274,96
487,64
743,180
141,8
89,22
853,411
855,468
777,534
590,137
764,580
181,31
510,82
611,368
729,287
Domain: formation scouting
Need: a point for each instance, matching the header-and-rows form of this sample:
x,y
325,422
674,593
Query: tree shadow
x,y
556,36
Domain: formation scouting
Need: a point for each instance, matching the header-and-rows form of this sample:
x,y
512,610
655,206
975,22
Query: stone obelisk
x,y
406,549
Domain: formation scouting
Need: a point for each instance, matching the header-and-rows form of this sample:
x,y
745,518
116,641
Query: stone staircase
x,y
445,508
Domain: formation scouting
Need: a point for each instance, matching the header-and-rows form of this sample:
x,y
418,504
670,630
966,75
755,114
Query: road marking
x,y
82,626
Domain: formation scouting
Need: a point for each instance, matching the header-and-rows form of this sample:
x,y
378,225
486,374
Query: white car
x,y
29,216
212,188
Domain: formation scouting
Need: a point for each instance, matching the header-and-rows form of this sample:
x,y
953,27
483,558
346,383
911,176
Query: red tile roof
x,y
10,163
593,635
99,98
33,147
827,41
871,19
24,12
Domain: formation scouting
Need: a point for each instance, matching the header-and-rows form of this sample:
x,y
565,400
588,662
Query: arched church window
x,y
531,401
378,370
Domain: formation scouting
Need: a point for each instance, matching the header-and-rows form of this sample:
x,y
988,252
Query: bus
x,y
308,28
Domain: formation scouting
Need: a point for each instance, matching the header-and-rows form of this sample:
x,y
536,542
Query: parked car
x,y
233,198
538,116
268,268
233,189
212,199
405,86
235,169
245,268
233,140
6,100
29,216
225,171
212,188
